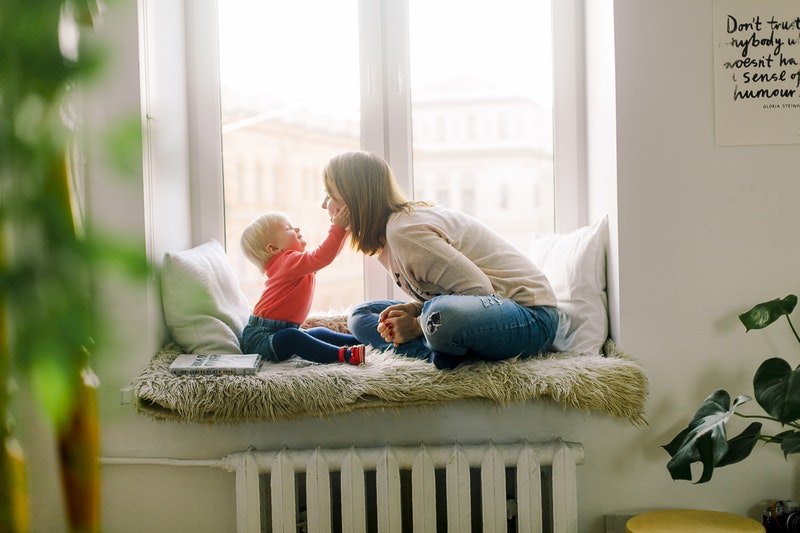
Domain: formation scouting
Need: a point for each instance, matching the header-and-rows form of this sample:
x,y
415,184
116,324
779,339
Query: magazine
x,y
215,364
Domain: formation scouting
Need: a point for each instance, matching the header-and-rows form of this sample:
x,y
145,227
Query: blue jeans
x,y
486,327
277,340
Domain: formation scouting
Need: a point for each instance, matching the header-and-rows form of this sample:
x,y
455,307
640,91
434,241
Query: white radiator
x,y
522,487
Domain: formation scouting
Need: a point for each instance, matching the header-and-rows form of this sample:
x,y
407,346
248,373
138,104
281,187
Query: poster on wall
x,y
757,71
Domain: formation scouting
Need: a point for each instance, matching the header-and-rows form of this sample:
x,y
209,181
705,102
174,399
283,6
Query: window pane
x,y
289,84
481,90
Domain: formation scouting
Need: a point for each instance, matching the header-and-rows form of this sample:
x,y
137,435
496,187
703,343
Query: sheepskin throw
x,y
614,385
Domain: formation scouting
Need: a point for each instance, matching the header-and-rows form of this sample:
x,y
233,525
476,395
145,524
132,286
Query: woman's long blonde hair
x,y
366,185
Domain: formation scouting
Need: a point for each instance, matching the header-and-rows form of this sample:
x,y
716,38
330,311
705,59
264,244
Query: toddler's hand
x,y
342,217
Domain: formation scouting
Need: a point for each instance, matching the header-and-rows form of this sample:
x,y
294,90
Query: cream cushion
x,y
204,306
575,264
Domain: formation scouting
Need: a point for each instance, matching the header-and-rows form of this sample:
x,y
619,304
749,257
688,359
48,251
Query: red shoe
x,y
358,355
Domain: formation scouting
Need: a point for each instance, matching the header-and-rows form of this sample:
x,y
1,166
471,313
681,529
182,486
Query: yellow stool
x,y
691,521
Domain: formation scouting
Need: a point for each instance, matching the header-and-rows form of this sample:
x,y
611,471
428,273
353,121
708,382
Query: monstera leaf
x,y
790,442
705,439
764,314
777,389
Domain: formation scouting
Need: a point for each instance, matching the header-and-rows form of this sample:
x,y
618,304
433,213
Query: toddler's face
x,y
287,237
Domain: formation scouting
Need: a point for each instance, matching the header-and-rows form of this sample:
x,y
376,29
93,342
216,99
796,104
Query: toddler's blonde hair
x,y
257,235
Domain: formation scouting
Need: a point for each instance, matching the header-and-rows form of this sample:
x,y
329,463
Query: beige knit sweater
x,y
432,251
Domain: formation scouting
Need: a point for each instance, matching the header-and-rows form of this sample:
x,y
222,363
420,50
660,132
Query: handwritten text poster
x,y
757,71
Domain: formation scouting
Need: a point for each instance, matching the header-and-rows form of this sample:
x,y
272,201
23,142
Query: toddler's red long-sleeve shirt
x,y
291,277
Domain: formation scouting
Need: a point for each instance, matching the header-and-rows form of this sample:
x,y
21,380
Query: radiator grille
x,y
521,487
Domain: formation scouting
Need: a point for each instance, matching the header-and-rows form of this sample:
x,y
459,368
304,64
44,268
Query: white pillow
x,y
575,264
204,306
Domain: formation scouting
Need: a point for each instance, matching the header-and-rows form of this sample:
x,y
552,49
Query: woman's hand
x,y
399,323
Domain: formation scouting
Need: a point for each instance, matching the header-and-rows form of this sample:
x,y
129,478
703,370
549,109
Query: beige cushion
x,y
204,306
575,264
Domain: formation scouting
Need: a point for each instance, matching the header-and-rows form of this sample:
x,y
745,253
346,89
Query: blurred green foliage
x,y
50,255
47,263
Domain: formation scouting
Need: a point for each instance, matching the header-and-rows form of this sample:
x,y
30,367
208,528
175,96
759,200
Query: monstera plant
x,y
777,390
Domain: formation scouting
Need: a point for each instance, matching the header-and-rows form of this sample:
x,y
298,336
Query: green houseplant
x,y
777,391
49,253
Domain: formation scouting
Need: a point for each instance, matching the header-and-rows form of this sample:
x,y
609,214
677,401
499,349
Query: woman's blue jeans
x,y
486,327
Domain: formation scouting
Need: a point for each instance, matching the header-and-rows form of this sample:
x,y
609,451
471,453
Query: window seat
x,y
613,384
205,312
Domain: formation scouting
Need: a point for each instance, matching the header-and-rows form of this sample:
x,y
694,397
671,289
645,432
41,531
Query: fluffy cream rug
x,y
614,385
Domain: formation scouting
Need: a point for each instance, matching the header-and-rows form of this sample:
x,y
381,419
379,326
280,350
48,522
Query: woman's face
x,y
332,201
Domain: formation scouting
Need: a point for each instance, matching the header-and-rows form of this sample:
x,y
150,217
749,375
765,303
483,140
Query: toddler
x,y
276,247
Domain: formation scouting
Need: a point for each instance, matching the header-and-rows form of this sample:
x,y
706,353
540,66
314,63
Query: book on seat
x,y
189,364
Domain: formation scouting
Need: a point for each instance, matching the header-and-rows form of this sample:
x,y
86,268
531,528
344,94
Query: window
x,y
487,76
461,107
289,102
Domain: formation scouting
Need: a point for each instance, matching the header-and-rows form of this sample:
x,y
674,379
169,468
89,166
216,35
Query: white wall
x,y
694,228
704,233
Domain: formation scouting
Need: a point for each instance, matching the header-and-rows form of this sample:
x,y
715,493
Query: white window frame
x,y
384,64
207,194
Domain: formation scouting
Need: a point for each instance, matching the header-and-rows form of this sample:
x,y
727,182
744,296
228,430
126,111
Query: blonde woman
x,y
474,295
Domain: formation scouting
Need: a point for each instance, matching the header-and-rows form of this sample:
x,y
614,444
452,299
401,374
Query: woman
x,y
475,294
